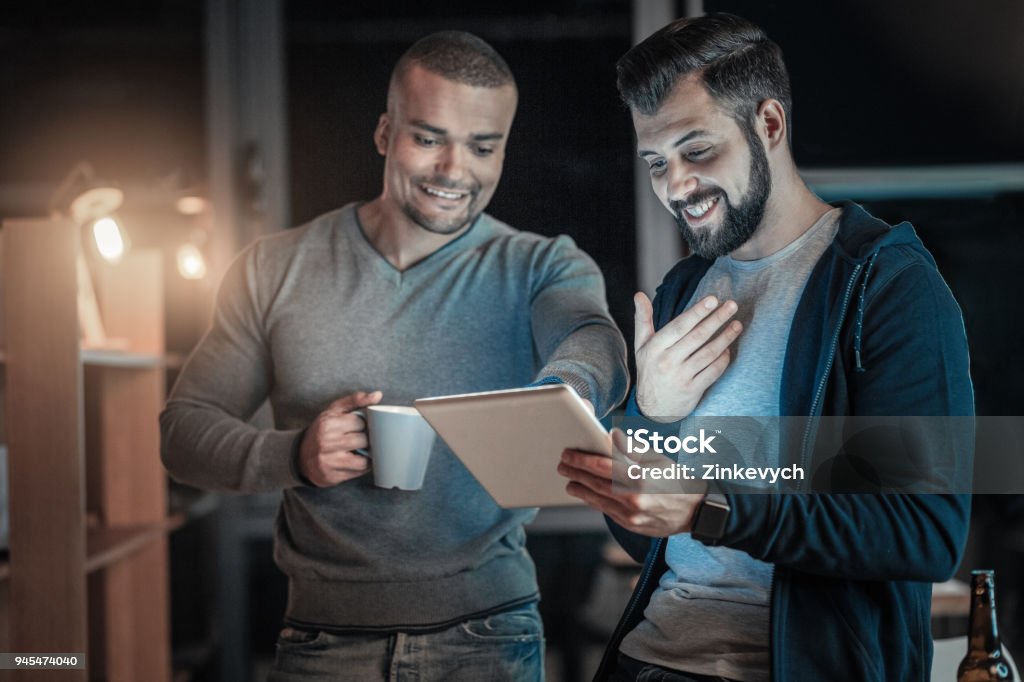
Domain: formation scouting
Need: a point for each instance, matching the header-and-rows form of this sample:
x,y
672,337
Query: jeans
x,y
631,670
506,646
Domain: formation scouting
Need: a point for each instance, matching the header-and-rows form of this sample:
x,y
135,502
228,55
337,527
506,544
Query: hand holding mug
x,y
327,454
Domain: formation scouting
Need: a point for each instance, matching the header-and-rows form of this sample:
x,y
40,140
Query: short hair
x,y
739,66
457,56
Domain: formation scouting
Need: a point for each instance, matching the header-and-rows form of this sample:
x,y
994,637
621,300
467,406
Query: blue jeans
x,y
505,647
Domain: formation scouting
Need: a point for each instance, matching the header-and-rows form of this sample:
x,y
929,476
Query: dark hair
x,y
457,56
739,65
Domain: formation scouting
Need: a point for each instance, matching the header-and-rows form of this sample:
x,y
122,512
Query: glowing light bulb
x,y
191,263
190,205
109,239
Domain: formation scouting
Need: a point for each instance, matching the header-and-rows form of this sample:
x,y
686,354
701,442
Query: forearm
x,y
854,536
592,359
207,448
574,336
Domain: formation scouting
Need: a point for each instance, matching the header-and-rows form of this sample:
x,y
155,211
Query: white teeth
x,y
701,208
440,193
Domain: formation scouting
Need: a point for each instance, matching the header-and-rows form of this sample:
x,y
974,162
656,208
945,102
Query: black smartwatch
x,y
711,517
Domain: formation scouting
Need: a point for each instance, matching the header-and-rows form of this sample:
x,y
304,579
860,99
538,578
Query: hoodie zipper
x,y
828,367
773,636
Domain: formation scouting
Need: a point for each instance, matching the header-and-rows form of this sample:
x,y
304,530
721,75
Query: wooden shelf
x,y
951,599
107,545
122,359
83,440
112,357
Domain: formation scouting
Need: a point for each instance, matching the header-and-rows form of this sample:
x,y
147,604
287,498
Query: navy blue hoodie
x,y
876,333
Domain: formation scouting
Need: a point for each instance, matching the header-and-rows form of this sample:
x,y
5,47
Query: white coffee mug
x,y
401,441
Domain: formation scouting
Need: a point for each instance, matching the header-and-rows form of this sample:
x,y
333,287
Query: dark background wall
x,y
568,168
878,84
899,83
119,84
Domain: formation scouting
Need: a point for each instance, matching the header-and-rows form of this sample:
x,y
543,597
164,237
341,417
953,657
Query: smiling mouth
x,y
700,210
446,194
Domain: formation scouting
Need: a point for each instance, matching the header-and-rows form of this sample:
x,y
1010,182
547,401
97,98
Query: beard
x,y
739,221
449,224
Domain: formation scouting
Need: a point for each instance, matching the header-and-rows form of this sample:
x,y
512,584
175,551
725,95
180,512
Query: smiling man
x,y
788,307
415,293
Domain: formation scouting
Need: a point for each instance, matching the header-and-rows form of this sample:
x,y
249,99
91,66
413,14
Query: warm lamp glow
x,y
191,263
109,239
190,204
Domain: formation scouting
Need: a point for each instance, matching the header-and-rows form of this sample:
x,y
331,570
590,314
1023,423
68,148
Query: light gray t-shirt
x,y
709,614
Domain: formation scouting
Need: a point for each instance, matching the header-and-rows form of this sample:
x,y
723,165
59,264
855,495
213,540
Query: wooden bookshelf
x,y
108,545
83,443
115,357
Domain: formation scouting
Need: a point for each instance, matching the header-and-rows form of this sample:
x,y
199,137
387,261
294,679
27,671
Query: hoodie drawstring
x,y
860,314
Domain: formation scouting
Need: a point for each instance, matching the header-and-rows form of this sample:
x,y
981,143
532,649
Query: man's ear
x,y
382,135
772,118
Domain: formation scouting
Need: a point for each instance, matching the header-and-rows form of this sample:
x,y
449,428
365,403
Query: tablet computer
x,y
512,440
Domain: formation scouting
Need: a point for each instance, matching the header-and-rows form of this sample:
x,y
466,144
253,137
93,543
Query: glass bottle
x,y
984,661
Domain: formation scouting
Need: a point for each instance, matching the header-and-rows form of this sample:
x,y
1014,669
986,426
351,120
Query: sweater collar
x,y
477,233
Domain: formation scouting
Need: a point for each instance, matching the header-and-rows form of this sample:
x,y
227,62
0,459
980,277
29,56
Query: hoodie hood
x,y
859,240
861,235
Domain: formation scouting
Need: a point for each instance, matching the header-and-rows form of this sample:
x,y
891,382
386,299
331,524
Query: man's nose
x,y
682,181
451,162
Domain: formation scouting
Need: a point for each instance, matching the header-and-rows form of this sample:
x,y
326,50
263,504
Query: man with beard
x,y
789,306
415,293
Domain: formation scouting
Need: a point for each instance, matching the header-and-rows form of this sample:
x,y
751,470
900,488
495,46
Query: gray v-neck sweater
x,y
308,315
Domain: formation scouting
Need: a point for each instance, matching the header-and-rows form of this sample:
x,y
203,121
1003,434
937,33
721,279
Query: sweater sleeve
x,y
915,363
575,336
205,438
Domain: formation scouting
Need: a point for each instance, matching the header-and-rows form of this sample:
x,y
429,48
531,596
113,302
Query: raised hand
x,y
679,362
